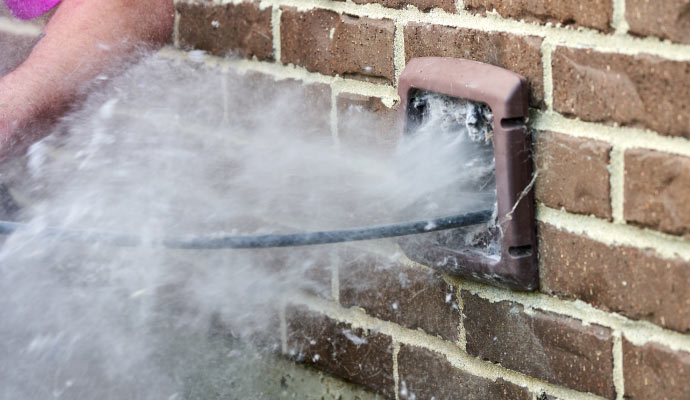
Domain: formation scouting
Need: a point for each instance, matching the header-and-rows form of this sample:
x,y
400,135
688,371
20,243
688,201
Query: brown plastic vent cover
x,y
514,265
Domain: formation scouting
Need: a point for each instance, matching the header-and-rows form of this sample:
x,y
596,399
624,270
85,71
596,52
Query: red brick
x,y
224,29
654,371
311,266
360,356
425,374
301,108
548,346
338,44
639,91
366,123
424,5
521,54
414,298
668,19
573,174
594,14
262,332
634,282
657,189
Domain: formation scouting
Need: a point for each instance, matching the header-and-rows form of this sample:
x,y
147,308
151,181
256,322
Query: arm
x,y
83,38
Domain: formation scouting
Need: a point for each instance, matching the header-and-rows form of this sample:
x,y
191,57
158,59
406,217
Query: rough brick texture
x,y
338,44
521,54
242,28
413,298
654,371
640,91
425,374
634,282
424,5
359,356
573,174
594,14
668,19
657,189
365,122
260,89
548,346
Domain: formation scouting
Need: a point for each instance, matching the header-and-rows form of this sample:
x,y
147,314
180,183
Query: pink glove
x,y
27,9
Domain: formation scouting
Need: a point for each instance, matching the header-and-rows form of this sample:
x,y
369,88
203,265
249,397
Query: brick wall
x,y
610,97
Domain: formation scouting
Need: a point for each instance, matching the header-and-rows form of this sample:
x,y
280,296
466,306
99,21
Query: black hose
x,y
268,241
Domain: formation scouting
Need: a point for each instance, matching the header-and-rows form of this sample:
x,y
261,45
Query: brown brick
x,y
657,189
548,346
411,297
300,108
230,28
521,54
425,374
424,5
594,14
366,123
654,371
263,332
640,91
668,19
633,282
338,44
573,174
311,266
359,356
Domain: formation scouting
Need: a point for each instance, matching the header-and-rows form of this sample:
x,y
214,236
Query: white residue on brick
x,y
354,338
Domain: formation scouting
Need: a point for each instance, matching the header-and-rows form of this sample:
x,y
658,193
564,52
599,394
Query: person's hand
x,y
81,40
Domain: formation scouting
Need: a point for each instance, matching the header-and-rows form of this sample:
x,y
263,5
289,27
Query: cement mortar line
x,y
664,245
618,380
335,283
619,22
462,333
19,28
617,181
396,375
546,58
279,71
621,137
399,51
176,30
276,13
492,22
334,119
457,358
637,332
283,327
